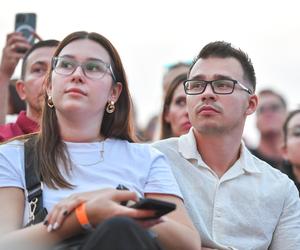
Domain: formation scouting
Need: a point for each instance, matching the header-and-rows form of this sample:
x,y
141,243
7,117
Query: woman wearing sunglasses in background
x,y
85,150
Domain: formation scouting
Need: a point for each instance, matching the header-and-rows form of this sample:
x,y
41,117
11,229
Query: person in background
x,y
174,118
172,72
84,151
270,115
291,147
152,131
35,64
9,61
15,104
235,200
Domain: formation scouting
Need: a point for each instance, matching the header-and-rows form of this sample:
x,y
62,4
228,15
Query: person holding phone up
x,y
9,61
85,149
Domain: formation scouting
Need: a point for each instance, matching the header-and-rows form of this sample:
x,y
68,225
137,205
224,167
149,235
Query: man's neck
x,y
219,152
33,115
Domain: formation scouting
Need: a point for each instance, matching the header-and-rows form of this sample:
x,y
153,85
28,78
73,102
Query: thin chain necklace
x,y
101,157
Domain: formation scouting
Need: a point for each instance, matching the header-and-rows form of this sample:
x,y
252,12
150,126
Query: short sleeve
x,y
160,178
11,165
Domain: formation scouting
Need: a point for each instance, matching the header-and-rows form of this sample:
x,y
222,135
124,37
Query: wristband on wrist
x,y
82,217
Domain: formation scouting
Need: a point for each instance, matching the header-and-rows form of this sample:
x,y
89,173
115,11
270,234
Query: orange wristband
x,y
82,217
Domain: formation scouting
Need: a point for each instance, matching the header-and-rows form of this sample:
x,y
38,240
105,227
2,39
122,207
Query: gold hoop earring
x,y
110,108
50,102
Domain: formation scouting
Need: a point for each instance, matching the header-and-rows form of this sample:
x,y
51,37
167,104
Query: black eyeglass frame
x,y
77,64
235,82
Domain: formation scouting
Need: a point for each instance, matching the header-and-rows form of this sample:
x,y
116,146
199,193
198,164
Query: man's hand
x,y
10,56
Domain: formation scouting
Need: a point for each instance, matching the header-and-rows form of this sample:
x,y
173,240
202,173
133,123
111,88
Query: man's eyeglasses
x,y
221,87
275,107
93,69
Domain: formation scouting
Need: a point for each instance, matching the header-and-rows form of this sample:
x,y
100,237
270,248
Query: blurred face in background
x,y
291,150
30,89
176,114
172,74
270,114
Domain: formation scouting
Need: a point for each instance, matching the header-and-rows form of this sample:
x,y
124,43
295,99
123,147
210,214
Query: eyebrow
x,y
88,59
39,63
216,77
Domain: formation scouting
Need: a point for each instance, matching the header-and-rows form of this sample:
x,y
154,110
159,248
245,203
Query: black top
x,y
275,163
288,170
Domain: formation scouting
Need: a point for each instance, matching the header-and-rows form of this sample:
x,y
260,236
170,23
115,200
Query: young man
x,y
36,62
270,115
235,200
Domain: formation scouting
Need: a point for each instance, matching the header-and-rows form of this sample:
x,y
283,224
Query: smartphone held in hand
x,y
26,24
161,207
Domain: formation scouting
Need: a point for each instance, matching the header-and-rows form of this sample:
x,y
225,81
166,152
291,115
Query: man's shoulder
x,y
166,144
9,130
271,175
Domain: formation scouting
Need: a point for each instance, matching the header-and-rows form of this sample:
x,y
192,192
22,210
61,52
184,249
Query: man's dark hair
x,y
221,49
40,44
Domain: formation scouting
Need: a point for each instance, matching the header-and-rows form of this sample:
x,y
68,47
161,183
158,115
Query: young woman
x,y
174,119
291,131
85,150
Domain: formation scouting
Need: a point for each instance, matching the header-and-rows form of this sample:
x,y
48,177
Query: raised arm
x,y
9,61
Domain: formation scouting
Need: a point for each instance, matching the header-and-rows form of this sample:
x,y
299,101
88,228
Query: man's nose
x,y
208,92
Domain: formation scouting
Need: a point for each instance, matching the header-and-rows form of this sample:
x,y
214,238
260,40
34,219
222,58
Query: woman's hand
x,y
100,205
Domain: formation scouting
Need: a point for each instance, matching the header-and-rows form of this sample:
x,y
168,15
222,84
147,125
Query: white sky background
x,y
151,34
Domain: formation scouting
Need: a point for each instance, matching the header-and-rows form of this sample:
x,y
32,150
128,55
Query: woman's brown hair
x,y
50,148
166,130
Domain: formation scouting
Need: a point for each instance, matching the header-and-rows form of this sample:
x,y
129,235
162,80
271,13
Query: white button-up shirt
x,y
252,206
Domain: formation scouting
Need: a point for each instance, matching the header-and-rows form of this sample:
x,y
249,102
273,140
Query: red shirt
x,y
22,126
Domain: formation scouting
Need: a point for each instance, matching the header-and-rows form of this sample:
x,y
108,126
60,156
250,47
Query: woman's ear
x,y
284,153
116,91
167,115
252,104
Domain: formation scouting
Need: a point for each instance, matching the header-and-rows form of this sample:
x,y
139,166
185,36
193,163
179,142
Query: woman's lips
x,y
75,91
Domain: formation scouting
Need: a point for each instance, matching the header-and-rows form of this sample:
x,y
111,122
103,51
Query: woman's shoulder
x,y
12,145
140,148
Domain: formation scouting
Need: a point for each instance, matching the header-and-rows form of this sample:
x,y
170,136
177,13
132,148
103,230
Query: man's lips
x,y
75,90
208,109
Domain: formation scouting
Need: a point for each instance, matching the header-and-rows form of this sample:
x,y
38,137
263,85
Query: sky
x,y
152,34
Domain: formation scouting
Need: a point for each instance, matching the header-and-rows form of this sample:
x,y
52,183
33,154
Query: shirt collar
x,y
187,147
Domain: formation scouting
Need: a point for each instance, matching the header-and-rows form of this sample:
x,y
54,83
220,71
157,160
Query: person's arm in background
x,y
9,61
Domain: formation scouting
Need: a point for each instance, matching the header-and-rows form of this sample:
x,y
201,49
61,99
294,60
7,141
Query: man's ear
x,y
20,88
116,91
252,104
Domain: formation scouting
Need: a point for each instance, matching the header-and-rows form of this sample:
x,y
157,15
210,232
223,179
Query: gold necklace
x,y
101,157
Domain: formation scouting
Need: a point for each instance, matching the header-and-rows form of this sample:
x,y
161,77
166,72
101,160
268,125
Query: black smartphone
x,y
161,207
26,24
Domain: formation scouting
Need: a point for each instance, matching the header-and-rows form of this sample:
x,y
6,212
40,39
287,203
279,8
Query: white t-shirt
x,y
139,167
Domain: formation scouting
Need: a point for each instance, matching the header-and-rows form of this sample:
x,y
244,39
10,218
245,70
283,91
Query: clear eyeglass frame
x,y
71,62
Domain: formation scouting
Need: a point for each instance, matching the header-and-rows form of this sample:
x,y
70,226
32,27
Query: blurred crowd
x,y
25,104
